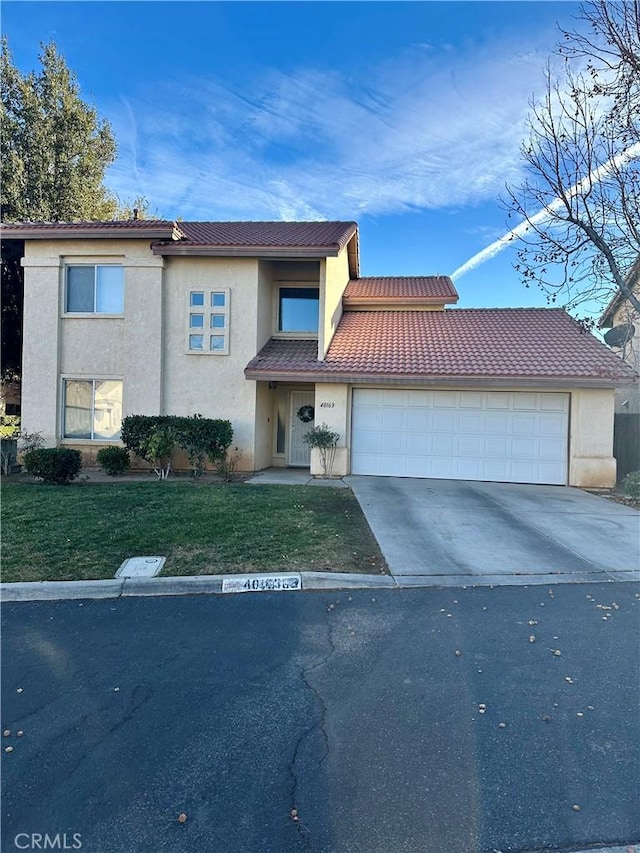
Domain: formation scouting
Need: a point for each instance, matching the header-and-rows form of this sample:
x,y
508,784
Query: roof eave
x,y
380,302
606,319
94,233
248,251
320,375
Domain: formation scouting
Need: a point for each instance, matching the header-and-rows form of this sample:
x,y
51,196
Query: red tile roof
x,y
323,237
504,343
438,288
268,234
156,229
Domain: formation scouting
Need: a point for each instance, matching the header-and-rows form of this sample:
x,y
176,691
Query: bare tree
x,y
581,194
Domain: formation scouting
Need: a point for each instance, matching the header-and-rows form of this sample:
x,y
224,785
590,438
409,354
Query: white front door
x,y
301,419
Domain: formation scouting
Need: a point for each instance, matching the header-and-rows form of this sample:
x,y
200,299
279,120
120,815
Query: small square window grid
x,y
217,320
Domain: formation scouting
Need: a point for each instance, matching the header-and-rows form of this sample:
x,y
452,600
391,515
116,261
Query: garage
x,y
504,436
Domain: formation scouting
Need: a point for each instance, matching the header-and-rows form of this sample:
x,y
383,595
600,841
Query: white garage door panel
x,y
518,437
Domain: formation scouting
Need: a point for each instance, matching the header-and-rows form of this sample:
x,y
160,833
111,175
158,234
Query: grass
x,y
85,531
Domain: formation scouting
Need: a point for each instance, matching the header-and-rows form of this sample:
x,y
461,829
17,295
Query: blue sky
x,y
406,117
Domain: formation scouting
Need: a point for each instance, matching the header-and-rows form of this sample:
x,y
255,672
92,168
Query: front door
x,y
301,420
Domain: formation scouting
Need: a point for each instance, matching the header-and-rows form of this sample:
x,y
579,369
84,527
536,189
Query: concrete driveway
x,y
454,532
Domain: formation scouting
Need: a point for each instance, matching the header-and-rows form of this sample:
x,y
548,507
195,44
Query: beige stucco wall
x,y
40,357
265,307
126,347
334,277
333,408
591,461
264,430
213,385
628,398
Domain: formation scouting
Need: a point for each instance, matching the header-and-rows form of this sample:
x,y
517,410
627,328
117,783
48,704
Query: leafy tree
x,y
581,194
55,149
12,297
54,152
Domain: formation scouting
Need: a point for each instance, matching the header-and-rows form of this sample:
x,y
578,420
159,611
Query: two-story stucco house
x,y
270,325
621,315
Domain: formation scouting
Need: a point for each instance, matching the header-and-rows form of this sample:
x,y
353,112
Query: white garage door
x,y
506,436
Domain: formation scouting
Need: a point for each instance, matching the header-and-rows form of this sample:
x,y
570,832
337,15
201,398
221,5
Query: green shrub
x,y
57,465
631,484
202,439
153,437
325,440
113,460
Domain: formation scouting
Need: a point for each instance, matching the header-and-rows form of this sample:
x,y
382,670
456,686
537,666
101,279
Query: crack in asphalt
x,y
140,695
320,723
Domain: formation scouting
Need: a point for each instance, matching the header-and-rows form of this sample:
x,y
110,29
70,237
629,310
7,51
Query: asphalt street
x,y
425,720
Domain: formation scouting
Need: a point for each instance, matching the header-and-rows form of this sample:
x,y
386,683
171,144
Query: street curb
x,y
212,585
55,590
164,586
346,580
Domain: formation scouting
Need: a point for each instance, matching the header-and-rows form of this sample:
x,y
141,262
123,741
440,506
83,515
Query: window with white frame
x,y
209,321
92,409
94,289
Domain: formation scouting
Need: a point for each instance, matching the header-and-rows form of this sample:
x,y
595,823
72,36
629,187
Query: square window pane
x,y
78,400
80,284
216,342
196,342
218,300
217,321
197,298
109,290
299,308
196,321
107,409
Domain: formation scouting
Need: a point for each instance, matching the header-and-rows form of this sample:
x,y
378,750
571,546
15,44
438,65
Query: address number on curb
x,y
262,583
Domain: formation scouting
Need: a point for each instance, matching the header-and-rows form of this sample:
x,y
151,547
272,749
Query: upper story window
x,y
209,321
298,309
94,289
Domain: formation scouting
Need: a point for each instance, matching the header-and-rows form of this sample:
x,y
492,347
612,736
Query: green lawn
x,y
84,531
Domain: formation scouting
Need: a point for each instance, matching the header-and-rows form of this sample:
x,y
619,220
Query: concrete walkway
x,y
294,477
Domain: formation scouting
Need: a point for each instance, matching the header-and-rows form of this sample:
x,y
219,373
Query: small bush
x,y
57,465
325,440
113,460
30,441
154,437
631,484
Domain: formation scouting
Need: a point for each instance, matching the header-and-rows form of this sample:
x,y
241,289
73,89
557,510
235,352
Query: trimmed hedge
x,y
152,437
53,465
113,459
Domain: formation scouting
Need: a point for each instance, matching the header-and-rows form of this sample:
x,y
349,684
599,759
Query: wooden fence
x,y
626,443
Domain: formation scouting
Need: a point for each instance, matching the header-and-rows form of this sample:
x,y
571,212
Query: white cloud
x,y
428,130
